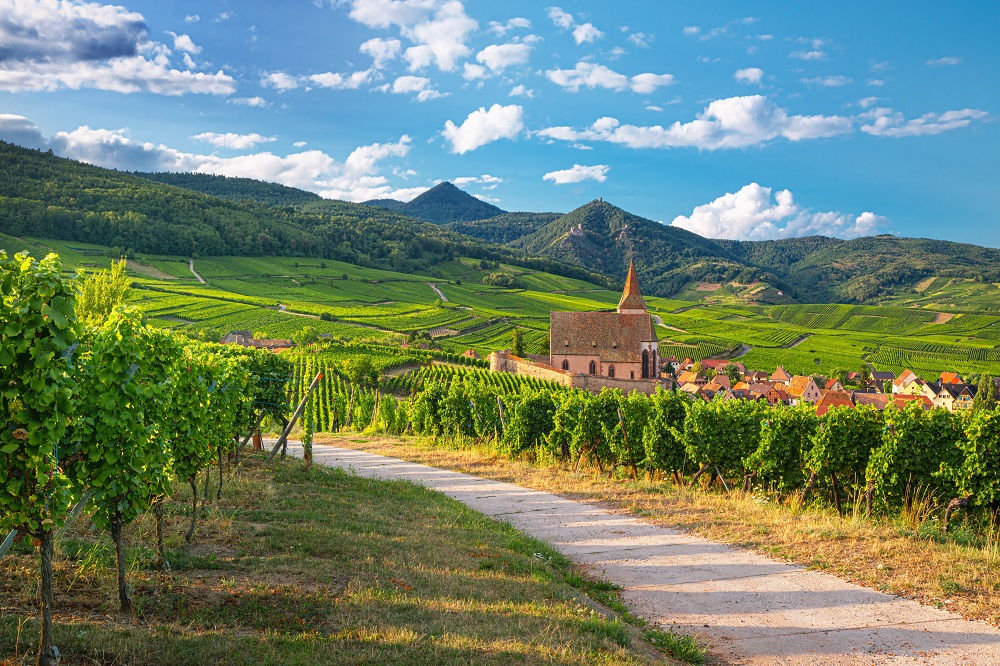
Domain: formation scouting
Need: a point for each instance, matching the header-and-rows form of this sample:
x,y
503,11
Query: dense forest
x,y
441,204
234,189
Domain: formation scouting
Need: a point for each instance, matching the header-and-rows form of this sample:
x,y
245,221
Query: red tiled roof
x,y
798,385
833,399
950,378
612,336
878,400
780,374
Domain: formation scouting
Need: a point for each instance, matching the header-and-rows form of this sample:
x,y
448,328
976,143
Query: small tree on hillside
x,y
986,396
517,342
100,293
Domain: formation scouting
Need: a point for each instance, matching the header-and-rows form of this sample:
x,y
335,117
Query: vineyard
x,y
107,415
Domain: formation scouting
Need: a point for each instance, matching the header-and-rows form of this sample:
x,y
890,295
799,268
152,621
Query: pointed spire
x,y
631,302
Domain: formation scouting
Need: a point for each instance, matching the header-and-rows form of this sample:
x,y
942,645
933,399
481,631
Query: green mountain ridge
x,y
45,196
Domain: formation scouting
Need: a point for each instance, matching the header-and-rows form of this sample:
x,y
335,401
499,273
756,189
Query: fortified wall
x,y
502,361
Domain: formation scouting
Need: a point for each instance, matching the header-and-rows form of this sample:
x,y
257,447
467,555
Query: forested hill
x,y
45,196
234,189
441,204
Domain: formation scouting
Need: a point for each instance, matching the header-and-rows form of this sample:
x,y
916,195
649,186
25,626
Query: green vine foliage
x,y
529,421
664,450
485,410
977,476
916,444
457,415
598,416
190,431
723,433
38,334
784,434
626,443
122,374
564,423
426,410
843,444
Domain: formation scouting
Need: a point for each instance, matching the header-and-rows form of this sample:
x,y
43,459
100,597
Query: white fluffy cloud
x,y
749,75
735,122
184,43
590,75
520,90
232,140
485,181
887,122
438,29
582,32
283,81
586,33
257,102
418,86
502,29
52,45
382,51
579,173
497,57
20,130
484,126
750,214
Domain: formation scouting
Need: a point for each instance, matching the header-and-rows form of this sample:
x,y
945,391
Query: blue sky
x,y
735,120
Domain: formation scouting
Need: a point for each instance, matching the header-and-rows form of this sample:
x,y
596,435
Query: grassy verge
x,y
300,566
909,556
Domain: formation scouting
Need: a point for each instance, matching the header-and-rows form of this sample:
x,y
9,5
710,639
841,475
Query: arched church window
x,y
611,371
645,364
593,368
565,364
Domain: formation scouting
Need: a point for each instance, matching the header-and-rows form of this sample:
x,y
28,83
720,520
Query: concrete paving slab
x,y
750,608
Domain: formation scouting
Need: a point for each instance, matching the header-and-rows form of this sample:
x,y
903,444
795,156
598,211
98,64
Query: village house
x,y
802,388
877,400
950,378
754,377
691,377
833,399
907,384
471,353
833,385
620,344
781,376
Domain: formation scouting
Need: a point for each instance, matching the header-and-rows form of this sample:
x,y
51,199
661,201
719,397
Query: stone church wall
x,y
505,362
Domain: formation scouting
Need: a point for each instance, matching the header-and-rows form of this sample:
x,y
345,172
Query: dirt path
x,y
797,341
750,609
444,299
193,272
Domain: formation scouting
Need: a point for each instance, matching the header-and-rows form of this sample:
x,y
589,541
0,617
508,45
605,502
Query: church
x,y
620,344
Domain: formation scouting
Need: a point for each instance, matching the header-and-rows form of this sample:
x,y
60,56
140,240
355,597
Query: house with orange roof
x,y
803,389
907,384
764,391
902,399
950,378
833,385
691,377
833,399
780,376
878,400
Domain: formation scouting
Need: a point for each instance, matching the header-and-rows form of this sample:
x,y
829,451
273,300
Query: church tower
x,y
631,302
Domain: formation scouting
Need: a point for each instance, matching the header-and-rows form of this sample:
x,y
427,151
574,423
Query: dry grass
x,y
909,556
315,566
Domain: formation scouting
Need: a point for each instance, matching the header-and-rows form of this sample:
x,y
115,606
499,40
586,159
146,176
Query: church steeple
x,y
631,302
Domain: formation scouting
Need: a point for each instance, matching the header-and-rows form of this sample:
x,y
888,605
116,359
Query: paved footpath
x,y
750,609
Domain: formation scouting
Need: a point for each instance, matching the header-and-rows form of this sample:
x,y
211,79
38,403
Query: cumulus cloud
x,y
735,122
751,214
887,122
20,130
382,51
184,43
947,60
258,102
521,91
501,29
283,81
582,32
749,75
497,57
232,140
828,81
418,86
486,181
53,45
640,39
438,29
591,75
578,173
484,126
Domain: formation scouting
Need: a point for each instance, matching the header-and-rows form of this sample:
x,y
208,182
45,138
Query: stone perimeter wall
x,y
506,362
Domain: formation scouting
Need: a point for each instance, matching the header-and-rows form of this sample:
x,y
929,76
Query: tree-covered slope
x,y
234,189
505,228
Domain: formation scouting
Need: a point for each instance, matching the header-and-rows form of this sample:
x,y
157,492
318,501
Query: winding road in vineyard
x,y
749,608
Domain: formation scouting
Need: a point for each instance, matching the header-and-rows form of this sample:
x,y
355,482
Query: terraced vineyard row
x,y
416,380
